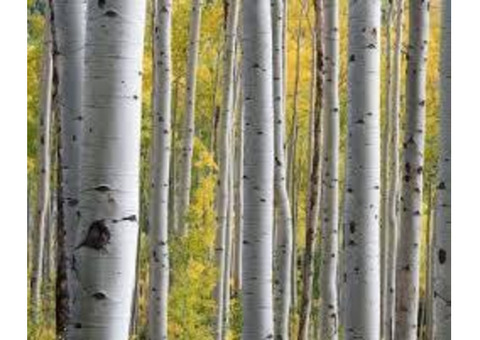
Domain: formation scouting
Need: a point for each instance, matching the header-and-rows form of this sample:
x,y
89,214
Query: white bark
x,y
283,256
160,176
329,247
408,252
185,178
441,258
258,171
106,240
225,136
43,195
362,201
393,192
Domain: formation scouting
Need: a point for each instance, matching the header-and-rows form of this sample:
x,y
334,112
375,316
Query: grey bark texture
x,y
160,171
408,252
362,197
258,171
442,255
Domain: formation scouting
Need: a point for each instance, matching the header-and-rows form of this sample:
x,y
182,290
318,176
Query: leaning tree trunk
x,y
388,313
329,320
441,258
43,195
106,239
160,171
185,178
362,198
408,259
225,152
283,258
69,22
314,187
258,172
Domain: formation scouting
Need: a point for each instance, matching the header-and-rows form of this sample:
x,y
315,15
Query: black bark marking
x,y
442,256
78,325
360,121
131,218
101,3
102,188
98,236
72,202
441,186
111,13
352,227
99,296
352,58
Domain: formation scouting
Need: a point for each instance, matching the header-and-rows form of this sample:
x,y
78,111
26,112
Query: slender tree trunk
x,y
393,187
226,117
385,168
106,239
328,268
172,222
185,180
283,258
258,169
362,201
160,176
69,22
408,261
43,195
442,245
314,188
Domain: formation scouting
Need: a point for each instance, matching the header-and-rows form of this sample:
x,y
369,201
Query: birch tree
x,y
105,250
283,256
258,171
389,304
69,22
43,195
225,152
408,259
185,178
160,177
441,258
329,320
362,198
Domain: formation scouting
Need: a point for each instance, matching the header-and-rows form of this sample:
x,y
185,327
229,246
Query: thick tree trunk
x,y
43,195
106,240
258,169
441,258
362,198
408,260
160,171
185,178
388,313
314,188
329,248
225,136
283,256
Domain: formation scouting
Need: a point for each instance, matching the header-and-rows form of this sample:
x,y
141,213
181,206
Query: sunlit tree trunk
x,y
362,199
160,171
283,256
314,185
185,177
258,171
393,186
408,259
441,258
43,195
329,320
105,250
225,157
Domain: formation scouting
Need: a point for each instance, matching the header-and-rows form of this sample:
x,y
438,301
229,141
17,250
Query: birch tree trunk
x,y
226,118
185,179
314,188
329,320
362,198
69,22
106,239
283,258
43,195
162,132
393,192
408,261
441,258
258,169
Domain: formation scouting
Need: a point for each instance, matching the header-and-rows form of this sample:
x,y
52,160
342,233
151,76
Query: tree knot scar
x,y
102,188
98,236
99,296
360,121
111,13
441,186
442,256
